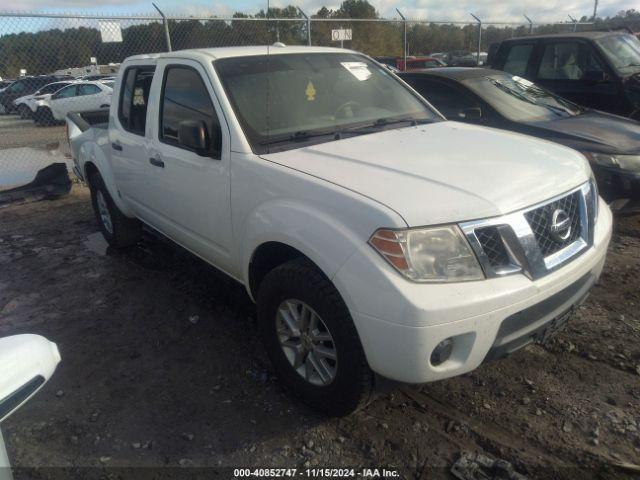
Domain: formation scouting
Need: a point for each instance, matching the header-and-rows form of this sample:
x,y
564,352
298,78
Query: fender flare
x,y
315,233
90,152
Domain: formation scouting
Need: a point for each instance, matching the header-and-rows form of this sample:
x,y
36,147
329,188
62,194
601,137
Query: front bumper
x,y
400,323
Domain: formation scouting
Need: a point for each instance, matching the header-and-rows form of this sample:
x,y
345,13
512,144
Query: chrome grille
x,y
491,243
540,221
535,240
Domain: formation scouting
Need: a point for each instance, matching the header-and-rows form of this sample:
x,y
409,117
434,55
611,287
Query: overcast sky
x,y
496,10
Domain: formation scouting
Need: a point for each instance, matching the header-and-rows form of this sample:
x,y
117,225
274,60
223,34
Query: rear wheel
x,y
119,230
311,339
24,111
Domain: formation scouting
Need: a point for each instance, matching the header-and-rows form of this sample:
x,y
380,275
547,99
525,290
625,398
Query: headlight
x,y
624,162
435,254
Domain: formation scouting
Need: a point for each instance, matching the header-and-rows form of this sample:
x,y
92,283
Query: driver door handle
x,y
156,162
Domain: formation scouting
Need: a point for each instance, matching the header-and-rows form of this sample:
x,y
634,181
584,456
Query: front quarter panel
x,y
327,223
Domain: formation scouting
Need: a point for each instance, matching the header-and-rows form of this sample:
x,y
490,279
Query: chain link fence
x,y
73,46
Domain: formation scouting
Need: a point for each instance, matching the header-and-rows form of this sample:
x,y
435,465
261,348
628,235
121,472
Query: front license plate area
x,y
552,328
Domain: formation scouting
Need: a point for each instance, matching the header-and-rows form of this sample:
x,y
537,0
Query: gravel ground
x,y
15,133
162,367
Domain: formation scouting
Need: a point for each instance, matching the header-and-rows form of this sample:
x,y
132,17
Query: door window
x,y
517,59
136,86
88,89
450,101
66,92
185,97
567,61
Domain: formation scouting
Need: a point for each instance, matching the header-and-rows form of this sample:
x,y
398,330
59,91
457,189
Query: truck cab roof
x,y
228,52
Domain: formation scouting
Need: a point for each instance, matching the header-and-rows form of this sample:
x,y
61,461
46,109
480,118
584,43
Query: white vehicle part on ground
x,y
27,362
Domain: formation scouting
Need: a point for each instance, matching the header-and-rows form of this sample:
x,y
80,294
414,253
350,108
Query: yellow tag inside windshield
x,y
310,92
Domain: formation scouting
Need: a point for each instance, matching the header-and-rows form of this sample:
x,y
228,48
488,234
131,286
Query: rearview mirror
x,y
474,113
594,76
193,134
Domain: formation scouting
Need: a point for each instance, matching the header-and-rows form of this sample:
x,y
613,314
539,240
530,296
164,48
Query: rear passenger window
x,y
88,89
132,111
517,59
185,97
567,61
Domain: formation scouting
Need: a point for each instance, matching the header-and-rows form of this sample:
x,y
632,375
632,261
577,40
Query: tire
x,y
44,117
118,230
352,384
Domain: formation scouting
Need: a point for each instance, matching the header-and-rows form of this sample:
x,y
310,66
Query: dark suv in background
x,y
600,70
25,86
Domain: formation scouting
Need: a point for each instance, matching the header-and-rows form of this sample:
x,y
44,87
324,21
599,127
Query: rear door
x,y
515,58
564,67
90,97
129,135
189,192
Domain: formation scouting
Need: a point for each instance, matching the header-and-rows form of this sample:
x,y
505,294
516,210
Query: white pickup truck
x,y
373,235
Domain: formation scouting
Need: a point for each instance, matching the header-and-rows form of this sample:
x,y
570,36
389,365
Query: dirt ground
x,y
162,367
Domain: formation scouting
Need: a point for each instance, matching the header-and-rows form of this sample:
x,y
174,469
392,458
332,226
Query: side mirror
x,y
474,113
26,363
594,76
193,134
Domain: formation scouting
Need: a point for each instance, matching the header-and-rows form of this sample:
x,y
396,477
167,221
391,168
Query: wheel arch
x,y
93,160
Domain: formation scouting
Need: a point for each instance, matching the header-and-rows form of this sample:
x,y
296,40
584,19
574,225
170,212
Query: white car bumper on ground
x,y
400,323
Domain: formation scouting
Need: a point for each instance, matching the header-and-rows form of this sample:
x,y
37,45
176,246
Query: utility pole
x,y
595,9
404,38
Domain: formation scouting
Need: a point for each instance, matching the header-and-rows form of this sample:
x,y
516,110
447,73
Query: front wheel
x,y
118,230
44,117
311,339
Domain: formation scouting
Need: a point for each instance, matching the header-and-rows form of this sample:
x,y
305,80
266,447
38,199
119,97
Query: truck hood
x,y
445,171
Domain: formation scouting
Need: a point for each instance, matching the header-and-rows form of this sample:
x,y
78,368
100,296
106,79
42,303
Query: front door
x,y
189,191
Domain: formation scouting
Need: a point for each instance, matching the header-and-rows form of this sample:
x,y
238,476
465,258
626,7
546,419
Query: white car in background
x,y
28,104
77,97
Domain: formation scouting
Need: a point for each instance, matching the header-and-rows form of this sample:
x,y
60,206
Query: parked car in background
x,y
419,63
373,235
599,70
90,78
501,100
5,83
24,86
26,106
76,97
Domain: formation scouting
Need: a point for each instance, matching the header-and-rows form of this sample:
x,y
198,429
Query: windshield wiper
x,y
302,135
385,122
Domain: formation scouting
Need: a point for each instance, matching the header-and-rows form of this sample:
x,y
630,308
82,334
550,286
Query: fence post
x,y
575,22
479,38
306,17
404,38
530,24
165,22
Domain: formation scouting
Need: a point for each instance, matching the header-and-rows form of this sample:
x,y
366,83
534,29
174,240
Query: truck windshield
x,y
520,100
288,101
623,51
